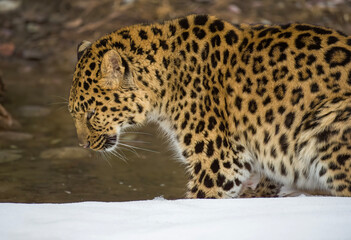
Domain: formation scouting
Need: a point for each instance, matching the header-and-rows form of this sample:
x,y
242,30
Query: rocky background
x,y
39,160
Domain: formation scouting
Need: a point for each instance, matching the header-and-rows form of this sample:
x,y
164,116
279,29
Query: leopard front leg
x,y
217,170
265,188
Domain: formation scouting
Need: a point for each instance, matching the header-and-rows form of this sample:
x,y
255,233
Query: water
x,y
32,178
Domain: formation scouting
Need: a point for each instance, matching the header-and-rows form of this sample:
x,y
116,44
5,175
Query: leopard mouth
x,y
110,142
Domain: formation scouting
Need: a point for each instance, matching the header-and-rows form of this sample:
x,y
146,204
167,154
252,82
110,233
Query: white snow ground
x,y
276,218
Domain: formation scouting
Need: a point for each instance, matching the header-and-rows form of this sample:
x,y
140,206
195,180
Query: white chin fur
x,y
110,149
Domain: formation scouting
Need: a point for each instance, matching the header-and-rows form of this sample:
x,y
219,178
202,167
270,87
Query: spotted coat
x,y
234,99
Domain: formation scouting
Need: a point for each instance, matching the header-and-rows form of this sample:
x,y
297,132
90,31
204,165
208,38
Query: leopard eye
x,y
90,114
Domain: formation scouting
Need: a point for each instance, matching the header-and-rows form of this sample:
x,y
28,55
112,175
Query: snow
x,y
269,218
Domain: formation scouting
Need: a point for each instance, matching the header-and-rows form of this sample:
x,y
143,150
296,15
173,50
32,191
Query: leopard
x,y
235,100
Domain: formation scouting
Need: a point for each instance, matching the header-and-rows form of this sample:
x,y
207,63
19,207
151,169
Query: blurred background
x,y
39,157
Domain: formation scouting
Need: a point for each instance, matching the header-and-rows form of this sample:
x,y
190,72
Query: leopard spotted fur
x,y
235,99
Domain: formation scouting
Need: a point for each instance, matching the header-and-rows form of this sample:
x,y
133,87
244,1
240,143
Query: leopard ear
x,y
114,73
82,47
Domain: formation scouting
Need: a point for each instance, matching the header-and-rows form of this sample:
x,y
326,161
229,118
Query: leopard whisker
x,y
58,103
141,133
122,154
130,150
102,155
62,98
134,141
139,148
108,161
119,155
63,107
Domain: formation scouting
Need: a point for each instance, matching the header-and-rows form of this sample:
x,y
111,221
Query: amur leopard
x,y
236,100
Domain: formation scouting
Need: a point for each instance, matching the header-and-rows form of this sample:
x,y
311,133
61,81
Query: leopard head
x,y
104,98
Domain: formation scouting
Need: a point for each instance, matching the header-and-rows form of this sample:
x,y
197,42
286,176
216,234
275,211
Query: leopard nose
x,y
85,144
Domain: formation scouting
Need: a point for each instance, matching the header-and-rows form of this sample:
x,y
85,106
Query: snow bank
x,y
279,218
